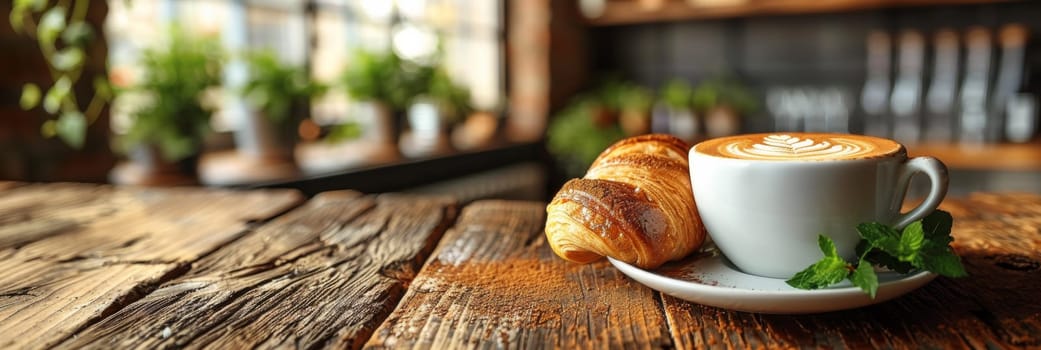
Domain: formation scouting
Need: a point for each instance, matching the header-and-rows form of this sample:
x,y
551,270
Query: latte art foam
x,y
787,146
799,146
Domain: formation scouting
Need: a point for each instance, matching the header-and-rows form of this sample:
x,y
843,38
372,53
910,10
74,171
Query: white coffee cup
x,y
765,198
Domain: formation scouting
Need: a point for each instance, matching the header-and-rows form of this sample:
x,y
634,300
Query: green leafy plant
x,y
611,92
176,74
723,92
454,97
635,98
677,94
383,77
922,245
279,90
63,37
575,139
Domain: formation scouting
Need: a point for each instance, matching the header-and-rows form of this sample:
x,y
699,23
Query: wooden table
x,y
106,267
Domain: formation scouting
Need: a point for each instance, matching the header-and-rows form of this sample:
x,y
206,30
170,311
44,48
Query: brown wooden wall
x,y
24,153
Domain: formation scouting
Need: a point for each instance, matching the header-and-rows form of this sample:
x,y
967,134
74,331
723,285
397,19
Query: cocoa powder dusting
x,y
496,299
495,282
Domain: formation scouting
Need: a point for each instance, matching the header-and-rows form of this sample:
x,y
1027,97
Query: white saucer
x,y
708,278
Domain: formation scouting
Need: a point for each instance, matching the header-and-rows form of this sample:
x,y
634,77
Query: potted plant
x,y
723,102
432,113
452,98
574,138
605,108
673,113
167,128
279,93
376,83
634,110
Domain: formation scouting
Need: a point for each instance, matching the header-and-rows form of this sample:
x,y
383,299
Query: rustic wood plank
x,y
324,275
73,253
999,238
494,282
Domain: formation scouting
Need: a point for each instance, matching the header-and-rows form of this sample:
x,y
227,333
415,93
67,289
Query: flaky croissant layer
x,y
634,204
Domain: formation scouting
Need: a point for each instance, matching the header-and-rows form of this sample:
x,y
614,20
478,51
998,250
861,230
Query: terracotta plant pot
x,y
602,116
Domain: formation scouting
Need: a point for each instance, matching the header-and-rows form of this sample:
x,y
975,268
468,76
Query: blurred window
x,y
324,34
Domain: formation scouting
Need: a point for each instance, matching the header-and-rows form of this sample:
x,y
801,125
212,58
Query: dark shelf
x,y
619,12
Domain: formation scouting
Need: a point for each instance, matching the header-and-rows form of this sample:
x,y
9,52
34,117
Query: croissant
x,y
634,204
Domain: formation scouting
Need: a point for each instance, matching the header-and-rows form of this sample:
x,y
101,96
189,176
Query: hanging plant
x,y
63,37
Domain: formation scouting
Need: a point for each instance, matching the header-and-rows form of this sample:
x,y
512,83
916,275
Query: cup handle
x,y
937,173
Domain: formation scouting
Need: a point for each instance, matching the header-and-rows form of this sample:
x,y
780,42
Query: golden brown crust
x,y
660,145
635,204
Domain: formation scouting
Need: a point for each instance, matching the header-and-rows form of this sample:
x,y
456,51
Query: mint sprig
x,y
922,245
828,271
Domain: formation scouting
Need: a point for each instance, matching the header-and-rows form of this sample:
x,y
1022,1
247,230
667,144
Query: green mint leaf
x,y
937,254
829,270
827,247
863,247
865,278
880,236
922,245
877,257
944,263
873,231
825,272
937,226
911,243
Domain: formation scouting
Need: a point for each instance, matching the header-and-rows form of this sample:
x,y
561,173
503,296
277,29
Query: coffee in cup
x,y
765,198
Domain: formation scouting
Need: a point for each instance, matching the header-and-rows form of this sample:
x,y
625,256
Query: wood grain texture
x,y
322,276
493,282
999,238
72,253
